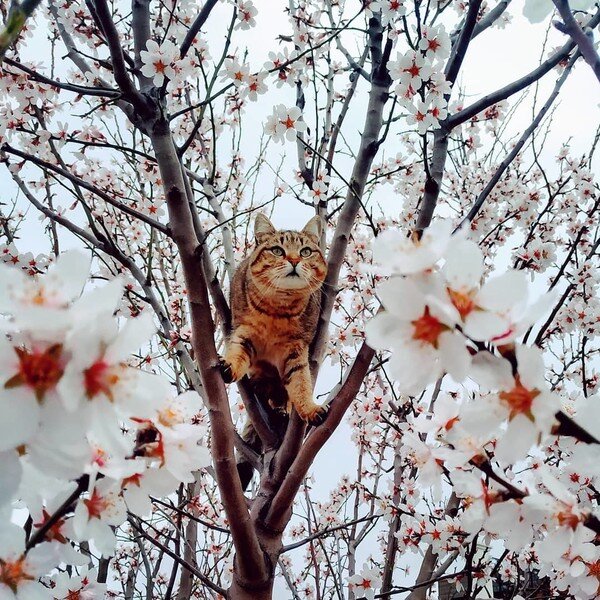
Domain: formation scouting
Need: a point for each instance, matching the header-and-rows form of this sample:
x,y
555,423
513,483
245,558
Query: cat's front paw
x,y
226,372
315,415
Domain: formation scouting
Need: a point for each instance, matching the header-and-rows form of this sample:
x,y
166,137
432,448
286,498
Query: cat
x,y
275,301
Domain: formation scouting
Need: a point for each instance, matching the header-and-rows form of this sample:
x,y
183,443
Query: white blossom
x,y
285,122
365,583
159,61
246,13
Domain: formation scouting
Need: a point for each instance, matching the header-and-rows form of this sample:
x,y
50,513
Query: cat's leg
x,y
238,354
298,383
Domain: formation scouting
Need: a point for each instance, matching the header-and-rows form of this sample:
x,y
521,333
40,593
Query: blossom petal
x,y
464,265
491,372
103,299
482,325
11,278
11,472
69,273
414,367
516,442
530,364
455,356
402,298
384,330
537,310
537,10
135,334
503,292
403,255
588,415
19,417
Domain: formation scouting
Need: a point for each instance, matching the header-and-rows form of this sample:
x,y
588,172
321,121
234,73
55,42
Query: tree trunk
x,y
248,588
237,592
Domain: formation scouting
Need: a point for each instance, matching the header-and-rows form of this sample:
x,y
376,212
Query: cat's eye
x,y
277,251
305,252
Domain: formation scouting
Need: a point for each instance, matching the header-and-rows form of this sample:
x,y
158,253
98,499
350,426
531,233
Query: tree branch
x,y
426,571
88,186
249,555
567,426
196,26
186,565
459,49
280,509
19,13
573,30
327,531
61,511
140,26
518,146
491,17
433,183
70,87
378,96
515,86
118,61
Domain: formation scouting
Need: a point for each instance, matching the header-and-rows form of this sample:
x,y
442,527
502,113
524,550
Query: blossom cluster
x,y
80,421
419,81
444,317
432,313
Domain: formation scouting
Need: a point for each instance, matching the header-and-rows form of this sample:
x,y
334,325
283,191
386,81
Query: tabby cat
x,y
275,299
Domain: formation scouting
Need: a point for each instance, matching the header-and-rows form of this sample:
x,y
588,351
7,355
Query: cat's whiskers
x,y
281,273
318,282
265,291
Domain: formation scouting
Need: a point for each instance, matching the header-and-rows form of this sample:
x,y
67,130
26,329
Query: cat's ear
x,y
262,228
314,228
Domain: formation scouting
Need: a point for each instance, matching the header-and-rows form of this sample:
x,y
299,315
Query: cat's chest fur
x,y
271,339
274,322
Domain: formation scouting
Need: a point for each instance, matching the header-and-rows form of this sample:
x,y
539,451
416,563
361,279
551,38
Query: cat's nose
x,y
294,260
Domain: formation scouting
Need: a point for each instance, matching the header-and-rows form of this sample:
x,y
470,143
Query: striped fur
x,y
275,304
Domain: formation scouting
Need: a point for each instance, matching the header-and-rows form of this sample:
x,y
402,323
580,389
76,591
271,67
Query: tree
x,y
144,147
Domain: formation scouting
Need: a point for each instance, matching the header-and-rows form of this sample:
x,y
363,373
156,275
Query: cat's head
x,y
288,260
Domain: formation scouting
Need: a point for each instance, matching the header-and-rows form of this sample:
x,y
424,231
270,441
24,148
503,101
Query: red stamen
x,y
519,399
428,329
38,370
